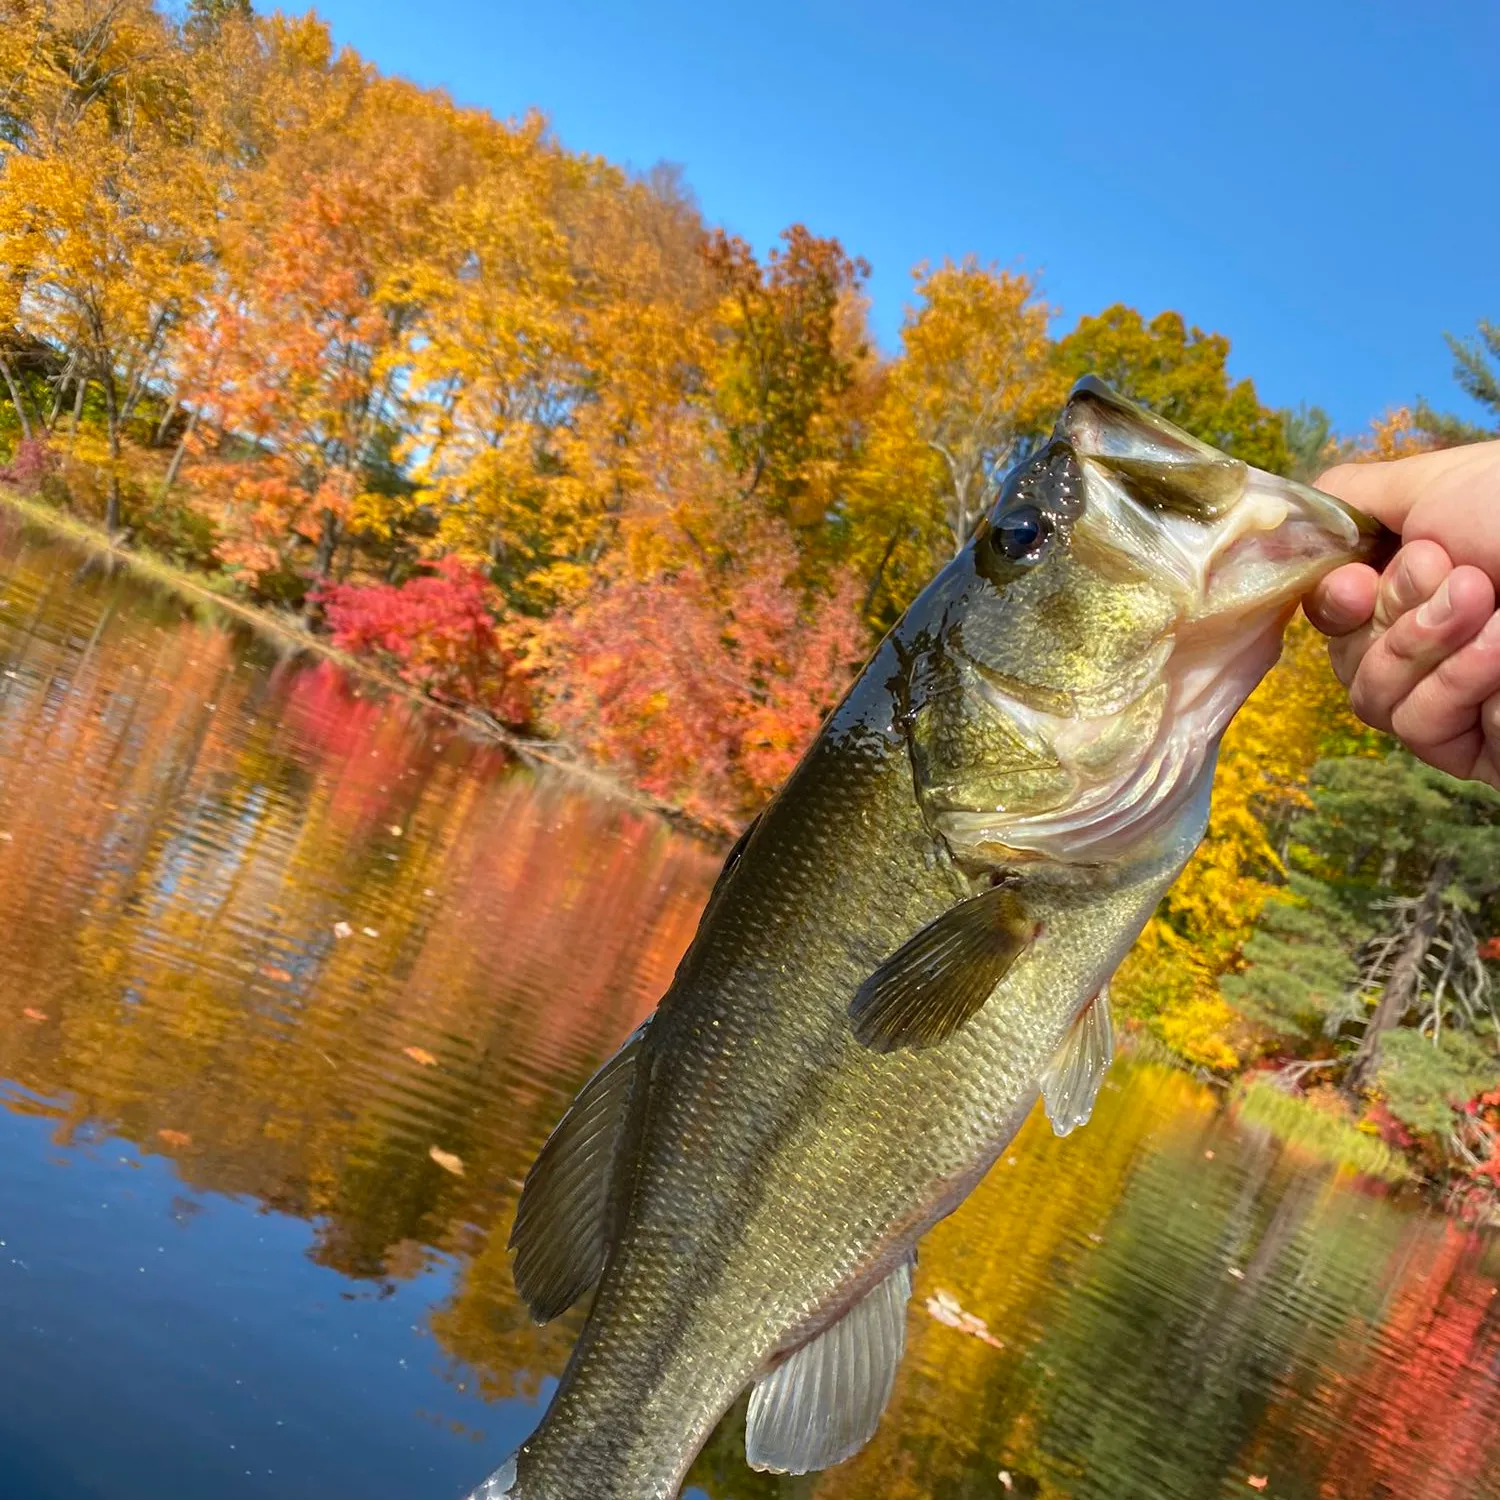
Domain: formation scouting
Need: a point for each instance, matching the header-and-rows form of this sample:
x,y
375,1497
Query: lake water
x,y
270,939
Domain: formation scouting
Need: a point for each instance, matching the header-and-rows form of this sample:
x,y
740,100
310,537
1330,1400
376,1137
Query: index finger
x,y
1389,489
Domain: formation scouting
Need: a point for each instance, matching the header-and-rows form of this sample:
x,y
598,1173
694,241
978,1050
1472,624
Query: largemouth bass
x,y
909,945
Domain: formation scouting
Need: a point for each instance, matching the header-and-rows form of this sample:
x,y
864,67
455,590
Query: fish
x,y
908,948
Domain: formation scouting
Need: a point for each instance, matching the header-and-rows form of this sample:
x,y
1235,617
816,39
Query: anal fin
x,y
936,980
1071,1081
562,1218
823,1402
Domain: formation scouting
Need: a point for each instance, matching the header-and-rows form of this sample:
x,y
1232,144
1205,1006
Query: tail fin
x,y
501,1483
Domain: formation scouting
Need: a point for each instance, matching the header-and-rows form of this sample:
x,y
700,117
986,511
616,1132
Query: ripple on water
x,y
273,938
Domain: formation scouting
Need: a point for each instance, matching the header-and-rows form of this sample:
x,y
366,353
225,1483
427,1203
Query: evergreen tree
x,y
1311,443
1476,368
1370,956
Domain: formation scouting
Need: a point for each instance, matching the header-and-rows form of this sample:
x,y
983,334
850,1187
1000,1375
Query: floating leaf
x,y
32,1014
944,1308
1258,1481
370,932
447,1160
421,1055
178,1138
281,976
342,930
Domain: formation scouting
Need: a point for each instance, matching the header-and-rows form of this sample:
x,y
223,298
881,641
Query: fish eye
x,y
1021,533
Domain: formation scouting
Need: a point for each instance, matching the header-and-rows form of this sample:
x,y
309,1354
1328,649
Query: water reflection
x,y
271,938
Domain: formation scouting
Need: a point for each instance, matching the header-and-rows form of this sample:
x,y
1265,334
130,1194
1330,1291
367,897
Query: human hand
x,y
1418,646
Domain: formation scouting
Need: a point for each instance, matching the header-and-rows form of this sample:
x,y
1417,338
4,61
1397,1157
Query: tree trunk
x,y
136,386
57,393
112,418
328,540
959,519
879,575
1405,982
168,413
172,468
15,396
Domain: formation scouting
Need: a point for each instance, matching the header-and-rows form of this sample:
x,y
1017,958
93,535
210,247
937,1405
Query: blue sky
x,y
1316,180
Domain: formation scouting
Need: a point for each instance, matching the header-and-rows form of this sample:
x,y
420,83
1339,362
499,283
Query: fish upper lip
x,y
1317,531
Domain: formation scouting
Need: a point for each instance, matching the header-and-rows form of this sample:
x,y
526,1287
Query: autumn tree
x,y
497,362
1181,373
1299,714
298,357
706,682
973,378
637,454
790,346
105,204
971,385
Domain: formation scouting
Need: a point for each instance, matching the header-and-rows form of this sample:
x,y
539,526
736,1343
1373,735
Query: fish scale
x,y
773,1166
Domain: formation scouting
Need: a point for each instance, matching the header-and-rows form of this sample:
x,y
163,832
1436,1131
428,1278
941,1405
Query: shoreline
x,y
293,637
1291,1119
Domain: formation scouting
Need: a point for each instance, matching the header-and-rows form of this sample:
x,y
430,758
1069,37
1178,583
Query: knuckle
x,y
1416,724
1368,704
1489,717
1405,646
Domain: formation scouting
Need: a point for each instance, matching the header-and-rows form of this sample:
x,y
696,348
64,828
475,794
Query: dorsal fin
x,y
936,980
562,1218
823,1403
1071,1082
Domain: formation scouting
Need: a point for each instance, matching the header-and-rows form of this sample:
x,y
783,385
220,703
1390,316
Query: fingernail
x,y
1439,609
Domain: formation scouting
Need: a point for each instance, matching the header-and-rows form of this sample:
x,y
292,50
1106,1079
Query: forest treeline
x,y
525,428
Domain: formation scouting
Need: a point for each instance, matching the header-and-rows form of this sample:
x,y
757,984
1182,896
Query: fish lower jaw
x,y
1148,809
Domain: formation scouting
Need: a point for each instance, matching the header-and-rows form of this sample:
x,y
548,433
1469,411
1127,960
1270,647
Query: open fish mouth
x,y
1233,549
1224,538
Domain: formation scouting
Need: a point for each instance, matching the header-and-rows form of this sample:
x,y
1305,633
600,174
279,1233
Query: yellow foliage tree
x,y
107,211
1395,435
1269,750
974,379
497,361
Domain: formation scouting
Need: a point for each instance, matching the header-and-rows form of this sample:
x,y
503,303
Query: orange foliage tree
x,y
707,682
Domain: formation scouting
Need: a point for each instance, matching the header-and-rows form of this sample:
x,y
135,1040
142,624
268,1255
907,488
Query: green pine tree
x,y
1311,443
1370,957
1476,368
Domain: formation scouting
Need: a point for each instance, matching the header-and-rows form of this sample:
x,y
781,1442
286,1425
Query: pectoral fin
x,y
562,1219
936,980
1071,1083
823,1403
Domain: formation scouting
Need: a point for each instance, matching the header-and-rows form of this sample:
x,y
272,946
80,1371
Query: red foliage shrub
x,y
1389,1128
439,631
32,464
706,684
